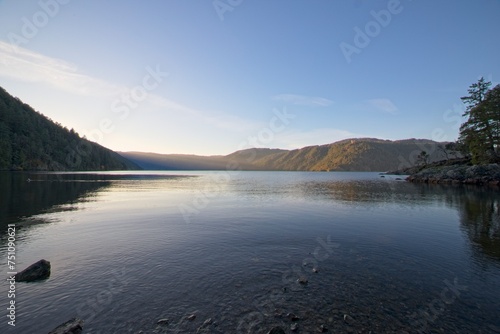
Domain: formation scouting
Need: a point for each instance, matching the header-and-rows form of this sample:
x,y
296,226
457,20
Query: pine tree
x,y
480,133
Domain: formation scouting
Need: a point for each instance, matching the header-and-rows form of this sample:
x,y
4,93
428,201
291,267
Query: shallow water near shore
x,y
130,248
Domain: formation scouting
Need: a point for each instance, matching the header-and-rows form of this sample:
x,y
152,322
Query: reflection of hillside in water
x,y
479,208
369,191
20,198
53,192
479,212
46,191
480,221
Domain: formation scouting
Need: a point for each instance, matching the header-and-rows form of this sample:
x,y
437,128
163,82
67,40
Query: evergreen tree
x,y
492,114
422,158
480,133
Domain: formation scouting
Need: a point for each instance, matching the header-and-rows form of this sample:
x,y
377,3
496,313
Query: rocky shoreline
x,y
459,171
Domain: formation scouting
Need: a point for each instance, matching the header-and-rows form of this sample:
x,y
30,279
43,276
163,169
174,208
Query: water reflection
x,y
374,191
478,207
398,243
480,221
25,195
479,212
363,191
28,194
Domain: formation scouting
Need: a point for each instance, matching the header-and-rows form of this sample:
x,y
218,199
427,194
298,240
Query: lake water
x,y
229,250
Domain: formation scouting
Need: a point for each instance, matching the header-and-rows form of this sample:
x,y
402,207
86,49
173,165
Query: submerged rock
x,y
37,271
205,327
276,330
293,317
348,319
162,322
302,280
72,326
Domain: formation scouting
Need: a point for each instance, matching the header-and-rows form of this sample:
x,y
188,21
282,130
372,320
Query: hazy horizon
x,y
142,77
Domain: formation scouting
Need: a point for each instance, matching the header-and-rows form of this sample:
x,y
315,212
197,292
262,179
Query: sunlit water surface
x,y
128,249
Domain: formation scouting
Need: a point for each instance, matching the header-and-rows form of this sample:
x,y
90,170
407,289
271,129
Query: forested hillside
x,y
31,141
362,154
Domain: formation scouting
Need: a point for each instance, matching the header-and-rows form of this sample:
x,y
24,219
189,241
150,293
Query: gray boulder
x,y
37,271
72,326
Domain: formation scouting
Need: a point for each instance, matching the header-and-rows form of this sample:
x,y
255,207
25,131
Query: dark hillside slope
x,y
31,141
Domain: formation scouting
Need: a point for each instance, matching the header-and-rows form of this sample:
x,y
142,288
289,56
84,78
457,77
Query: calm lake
x,y
229,252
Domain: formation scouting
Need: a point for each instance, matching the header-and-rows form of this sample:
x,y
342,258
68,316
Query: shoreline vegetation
x,y
452,171
478,144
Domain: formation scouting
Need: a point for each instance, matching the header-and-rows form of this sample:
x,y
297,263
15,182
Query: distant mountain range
x,y
31,141
360,154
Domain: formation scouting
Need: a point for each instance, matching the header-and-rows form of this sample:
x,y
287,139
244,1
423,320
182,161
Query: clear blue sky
x,y
386,69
